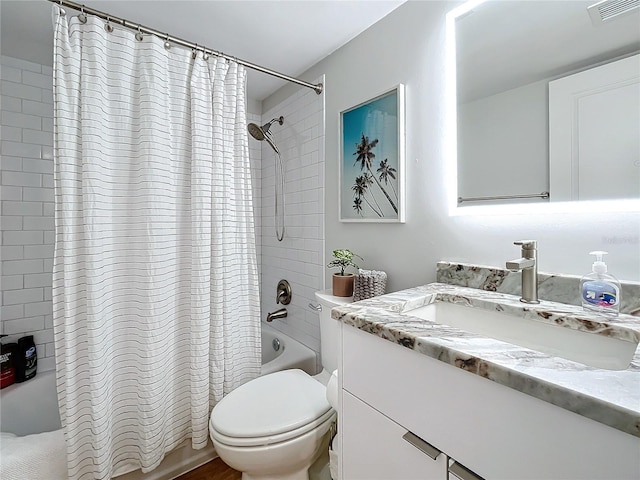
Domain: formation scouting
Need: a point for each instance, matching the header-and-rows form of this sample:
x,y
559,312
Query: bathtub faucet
x,y
283,292
277,314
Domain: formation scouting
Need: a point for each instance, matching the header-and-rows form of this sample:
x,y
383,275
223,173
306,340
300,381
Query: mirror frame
x,y
451,149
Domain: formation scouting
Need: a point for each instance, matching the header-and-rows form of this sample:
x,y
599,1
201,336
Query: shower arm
x,y
267,126
280,120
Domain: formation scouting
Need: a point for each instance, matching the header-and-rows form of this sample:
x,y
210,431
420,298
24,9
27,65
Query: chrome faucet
x,y
276,315
528,264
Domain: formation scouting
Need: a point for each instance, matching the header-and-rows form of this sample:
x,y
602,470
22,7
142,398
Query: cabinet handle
x,y
463,472
421,445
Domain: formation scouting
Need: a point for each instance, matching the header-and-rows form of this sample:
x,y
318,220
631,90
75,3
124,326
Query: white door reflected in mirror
x,y
594,121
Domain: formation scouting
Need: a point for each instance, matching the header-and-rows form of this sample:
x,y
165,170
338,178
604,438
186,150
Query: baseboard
x,y
180,461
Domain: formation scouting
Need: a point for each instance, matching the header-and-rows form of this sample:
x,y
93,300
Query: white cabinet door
x,y
374,448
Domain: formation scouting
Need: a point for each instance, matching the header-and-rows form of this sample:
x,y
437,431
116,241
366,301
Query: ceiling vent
x,y
608,10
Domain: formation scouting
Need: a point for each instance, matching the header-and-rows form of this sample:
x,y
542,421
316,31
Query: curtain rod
x,y
179,41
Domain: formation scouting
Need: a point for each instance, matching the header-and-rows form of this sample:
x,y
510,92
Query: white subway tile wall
x,y
299,258
26,184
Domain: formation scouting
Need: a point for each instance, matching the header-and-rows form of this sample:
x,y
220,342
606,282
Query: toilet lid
x,y
276,403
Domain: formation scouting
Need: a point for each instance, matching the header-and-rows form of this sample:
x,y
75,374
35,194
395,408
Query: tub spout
x,y
277,314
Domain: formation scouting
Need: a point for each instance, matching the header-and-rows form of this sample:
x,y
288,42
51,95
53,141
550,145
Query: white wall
x,y
299,257
408,46
27,204
504,150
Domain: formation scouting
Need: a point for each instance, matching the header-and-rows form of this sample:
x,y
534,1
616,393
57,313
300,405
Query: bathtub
x,y
32,407
290,354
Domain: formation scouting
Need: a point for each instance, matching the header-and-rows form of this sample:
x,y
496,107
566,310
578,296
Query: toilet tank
x,y
329,329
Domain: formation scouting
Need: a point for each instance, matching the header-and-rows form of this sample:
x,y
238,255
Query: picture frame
x,y
372,160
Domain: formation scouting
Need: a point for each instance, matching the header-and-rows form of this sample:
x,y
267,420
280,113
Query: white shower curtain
x,y
155,290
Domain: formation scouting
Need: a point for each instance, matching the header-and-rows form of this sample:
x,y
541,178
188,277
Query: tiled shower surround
x,y
26,185
299,258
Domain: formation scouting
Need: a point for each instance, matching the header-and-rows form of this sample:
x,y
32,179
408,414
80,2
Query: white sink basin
x,y
590,349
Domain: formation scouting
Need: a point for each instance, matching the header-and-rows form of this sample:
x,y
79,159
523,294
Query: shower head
x,y
262,133
256,131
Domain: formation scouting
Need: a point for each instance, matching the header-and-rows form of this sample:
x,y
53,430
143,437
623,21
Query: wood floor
x,y
214,470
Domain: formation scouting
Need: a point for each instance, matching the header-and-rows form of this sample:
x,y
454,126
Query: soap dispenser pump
x,y
600,290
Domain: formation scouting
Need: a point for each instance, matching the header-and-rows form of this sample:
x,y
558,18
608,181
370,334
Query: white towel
x,y
42,456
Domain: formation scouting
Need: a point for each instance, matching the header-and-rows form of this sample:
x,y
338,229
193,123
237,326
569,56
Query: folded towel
x,y
42,456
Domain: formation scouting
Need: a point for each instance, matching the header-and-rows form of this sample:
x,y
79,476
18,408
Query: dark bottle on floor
x,y
8,353
27,357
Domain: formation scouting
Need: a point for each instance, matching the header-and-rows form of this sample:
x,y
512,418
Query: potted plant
x,y
343,282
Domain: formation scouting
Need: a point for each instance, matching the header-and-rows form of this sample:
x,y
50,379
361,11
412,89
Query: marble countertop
x,y
611,397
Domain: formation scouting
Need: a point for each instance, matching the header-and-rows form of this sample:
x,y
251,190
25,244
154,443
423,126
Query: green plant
x,y
343,259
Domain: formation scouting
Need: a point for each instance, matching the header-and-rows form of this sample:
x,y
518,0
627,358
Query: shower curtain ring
x,y
194,52
139,35
167,43
82,18
205,55
108,27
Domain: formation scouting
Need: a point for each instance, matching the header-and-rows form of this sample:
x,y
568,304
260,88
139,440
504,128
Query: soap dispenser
x,y
600,290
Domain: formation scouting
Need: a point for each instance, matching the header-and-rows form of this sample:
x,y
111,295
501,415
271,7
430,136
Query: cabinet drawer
x,y
493,430
374,448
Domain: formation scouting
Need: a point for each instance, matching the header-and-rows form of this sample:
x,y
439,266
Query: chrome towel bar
x,y
503,197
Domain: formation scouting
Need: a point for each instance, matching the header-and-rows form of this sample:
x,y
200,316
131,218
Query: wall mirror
x,y
548,102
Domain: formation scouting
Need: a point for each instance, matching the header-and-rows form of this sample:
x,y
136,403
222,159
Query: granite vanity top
x,y
611,397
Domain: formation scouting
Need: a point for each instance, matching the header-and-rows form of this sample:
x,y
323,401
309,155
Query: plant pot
x,y
343,285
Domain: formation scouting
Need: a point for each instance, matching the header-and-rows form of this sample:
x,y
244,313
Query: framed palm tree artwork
x,y
372,160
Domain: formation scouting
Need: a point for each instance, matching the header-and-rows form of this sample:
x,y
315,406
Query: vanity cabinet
x,y
374,447
492,430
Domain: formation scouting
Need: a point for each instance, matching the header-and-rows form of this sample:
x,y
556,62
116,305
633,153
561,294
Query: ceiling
x,y
503,45
286,36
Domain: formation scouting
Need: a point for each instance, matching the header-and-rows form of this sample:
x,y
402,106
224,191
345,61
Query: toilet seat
x,y
270,409
271,439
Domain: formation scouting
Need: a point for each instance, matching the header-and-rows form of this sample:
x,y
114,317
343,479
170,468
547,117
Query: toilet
x,y
276,426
